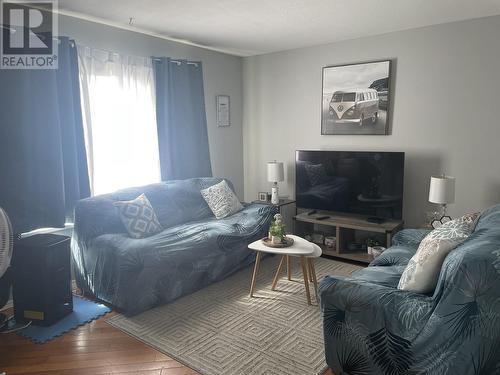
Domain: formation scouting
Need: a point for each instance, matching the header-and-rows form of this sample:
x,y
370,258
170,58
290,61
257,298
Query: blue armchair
x,y
371,327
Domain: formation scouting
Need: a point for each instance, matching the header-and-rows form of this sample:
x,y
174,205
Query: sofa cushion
x,y
421,274
221,200
139,217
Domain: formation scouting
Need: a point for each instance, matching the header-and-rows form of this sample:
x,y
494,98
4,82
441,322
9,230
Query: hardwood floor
x,y
93,349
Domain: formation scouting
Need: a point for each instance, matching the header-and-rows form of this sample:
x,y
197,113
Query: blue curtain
x,y
181,119
43,165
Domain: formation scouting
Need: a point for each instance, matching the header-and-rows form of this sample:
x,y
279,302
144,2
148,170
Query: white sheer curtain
x,y
118,105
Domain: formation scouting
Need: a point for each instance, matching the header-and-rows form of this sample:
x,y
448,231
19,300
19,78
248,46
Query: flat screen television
x,y
356,182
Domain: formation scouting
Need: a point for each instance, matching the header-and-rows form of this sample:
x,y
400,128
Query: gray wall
x,y
222,76
446,110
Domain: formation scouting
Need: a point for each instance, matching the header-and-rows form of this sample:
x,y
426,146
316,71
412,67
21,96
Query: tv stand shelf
x,y
346,225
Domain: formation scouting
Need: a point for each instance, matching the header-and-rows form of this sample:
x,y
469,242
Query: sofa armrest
x,y
354,295
96,216
372,305
411,237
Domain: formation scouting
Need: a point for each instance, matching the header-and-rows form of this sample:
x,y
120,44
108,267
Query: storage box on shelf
x,y
344,227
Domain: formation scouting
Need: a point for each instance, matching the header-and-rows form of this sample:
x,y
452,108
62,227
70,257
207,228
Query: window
x,y
349,97
118,105
337,98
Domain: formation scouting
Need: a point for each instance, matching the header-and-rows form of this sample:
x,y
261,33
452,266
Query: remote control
x,y
322,217
376,220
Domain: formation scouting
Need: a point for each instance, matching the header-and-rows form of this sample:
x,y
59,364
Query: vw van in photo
x,y
354,106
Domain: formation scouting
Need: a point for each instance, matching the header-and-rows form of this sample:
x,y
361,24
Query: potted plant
x,y
277,230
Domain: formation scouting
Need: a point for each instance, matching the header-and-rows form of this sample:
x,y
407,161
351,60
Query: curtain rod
x,y
195,63
178,62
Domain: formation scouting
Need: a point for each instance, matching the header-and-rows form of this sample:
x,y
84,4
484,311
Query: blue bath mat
x,y
84,311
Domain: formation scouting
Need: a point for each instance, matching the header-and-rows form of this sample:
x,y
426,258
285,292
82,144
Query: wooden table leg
x,y
313,275
289,267
303,261
308,264
255,271
278,271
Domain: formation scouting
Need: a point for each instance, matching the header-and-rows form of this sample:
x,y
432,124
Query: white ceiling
x,y
251,27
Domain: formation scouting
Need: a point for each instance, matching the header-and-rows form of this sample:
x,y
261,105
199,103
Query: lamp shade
x,y
442,189
275,171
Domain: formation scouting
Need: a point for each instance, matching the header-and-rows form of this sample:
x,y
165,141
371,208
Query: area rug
x,y
84,311
220,330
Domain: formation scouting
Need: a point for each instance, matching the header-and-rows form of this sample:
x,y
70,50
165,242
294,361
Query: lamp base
x,y
274,195
436,223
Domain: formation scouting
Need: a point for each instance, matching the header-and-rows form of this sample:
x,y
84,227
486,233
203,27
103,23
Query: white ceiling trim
x,y
254,27
139,30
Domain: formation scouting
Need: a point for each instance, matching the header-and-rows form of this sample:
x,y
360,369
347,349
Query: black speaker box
x,y
41,269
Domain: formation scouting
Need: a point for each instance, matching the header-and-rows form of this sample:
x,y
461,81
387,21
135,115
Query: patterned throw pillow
x,y
221,200
139,217
316,173
422,272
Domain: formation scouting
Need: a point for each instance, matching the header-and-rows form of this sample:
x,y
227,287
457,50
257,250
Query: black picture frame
x,y
379,73
263,196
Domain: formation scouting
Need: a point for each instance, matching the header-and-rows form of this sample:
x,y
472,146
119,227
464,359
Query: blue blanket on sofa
x,y
193,251
373,328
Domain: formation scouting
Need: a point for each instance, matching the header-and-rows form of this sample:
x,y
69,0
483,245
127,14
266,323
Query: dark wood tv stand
x,y
345,227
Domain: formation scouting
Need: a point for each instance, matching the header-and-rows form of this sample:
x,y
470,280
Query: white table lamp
x,y
275,174
442,191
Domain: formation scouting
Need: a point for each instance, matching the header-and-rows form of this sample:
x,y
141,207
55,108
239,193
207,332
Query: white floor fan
x,y
6,246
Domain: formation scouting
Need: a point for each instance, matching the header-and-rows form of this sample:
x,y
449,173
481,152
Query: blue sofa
x,y
371,327
193,251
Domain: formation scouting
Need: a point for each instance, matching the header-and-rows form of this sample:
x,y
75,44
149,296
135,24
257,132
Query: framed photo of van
x,y
356,98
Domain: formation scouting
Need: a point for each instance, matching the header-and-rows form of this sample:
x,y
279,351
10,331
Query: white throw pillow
x,y
221,200
422,272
